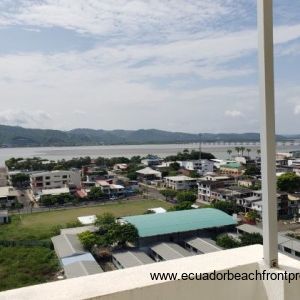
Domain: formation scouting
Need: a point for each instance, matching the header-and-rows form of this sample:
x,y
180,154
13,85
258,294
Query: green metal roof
x,y
179,221
232,165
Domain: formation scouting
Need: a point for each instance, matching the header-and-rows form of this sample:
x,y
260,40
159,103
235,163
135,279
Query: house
x,y
54,179
109,188
151,160
147,174
202,166
4,218
93,173
180,182
8,196
52,192
120,167
232,168
205,188
231,193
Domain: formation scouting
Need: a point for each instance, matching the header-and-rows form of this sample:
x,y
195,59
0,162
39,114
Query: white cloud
x,y
123,16
24,118
297,109
233,113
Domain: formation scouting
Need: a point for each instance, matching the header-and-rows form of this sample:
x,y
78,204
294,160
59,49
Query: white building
x,y
202,166
180,182
54,180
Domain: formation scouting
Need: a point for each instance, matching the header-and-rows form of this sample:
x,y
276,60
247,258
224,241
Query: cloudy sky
x,y
179,65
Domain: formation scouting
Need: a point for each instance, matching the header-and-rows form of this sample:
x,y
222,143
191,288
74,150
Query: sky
x,y
177,65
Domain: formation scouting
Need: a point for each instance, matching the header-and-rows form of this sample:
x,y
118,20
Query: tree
x,y
181,206
251,239
20,180
288,182
258,151
168,193
132,175
242,149
175,166
105,220
88,239
237,149
229,151
227,242
125,233
95,193
252,171
248,151
186,196
226,206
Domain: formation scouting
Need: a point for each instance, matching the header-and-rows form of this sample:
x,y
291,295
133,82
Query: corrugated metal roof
x,y
202,245
67,245
179,221
132,258
82,268
72,259
170,251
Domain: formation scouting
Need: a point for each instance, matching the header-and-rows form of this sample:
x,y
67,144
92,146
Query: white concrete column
x,y
268,141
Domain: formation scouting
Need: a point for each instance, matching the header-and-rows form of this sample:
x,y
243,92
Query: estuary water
x,y
56,153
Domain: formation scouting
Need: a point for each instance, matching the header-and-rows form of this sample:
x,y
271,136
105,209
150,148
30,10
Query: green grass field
x,y
39,226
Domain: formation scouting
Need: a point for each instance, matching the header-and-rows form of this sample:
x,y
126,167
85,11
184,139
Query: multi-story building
x,y
180,182
205,188
54,179
202,166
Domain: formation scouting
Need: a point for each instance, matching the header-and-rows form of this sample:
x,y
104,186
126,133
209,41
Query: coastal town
x,y
102,214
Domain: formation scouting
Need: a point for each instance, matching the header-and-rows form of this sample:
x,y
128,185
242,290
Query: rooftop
x,y
203,245
67,245
59,191
170,251
82,268
148,171
132,258
180,178
179,221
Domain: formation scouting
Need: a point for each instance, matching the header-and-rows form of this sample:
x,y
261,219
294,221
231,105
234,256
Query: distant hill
x,y
15,136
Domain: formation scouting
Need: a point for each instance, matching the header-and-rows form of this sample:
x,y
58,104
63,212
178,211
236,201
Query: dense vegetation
x,y
189,155
23,266
288,182
226,241
110,233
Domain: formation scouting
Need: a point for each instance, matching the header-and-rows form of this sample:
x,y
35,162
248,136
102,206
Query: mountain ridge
x,y
16,136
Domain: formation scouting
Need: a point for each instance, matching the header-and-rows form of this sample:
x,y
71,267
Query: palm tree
x,y
242,150
248,151
237,149
258,152
229,151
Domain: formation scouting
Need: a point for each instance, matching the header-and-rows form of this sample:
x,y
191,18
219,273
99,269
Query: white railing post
x,y
268,139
